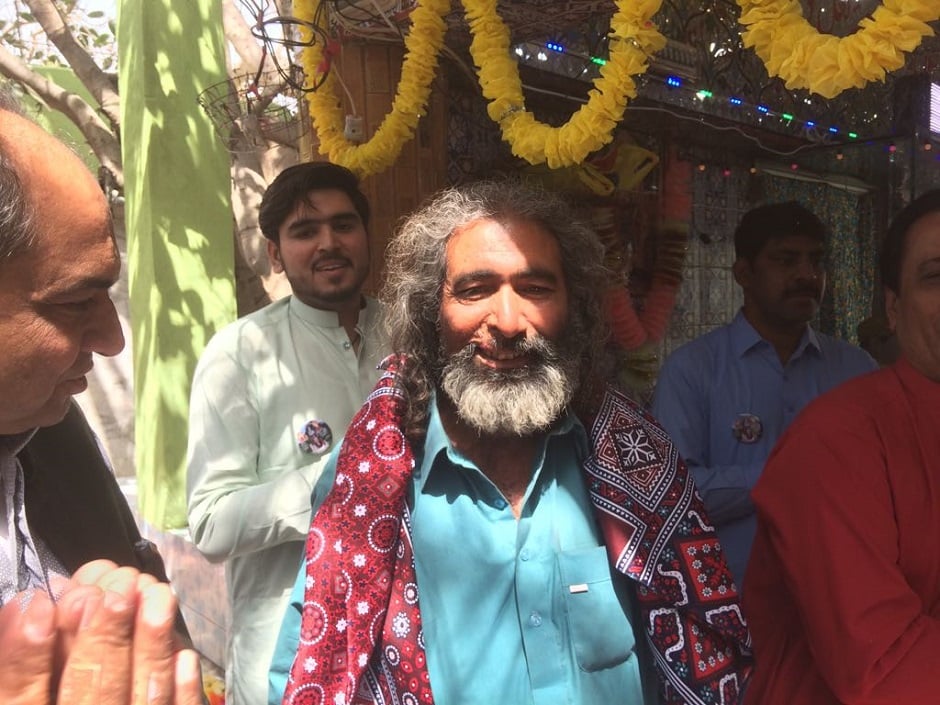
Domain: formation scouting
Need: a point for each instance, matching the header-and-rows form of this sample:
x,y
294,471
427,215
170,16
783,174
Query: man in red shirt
x,y
843,586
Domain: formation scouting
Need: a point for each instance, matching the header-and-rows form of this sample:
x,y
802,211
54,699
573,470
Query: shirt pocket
x,y
600,631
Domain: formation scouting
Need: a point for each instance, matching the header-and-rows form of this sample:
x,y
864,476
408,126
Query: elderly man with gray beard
x,y
560,549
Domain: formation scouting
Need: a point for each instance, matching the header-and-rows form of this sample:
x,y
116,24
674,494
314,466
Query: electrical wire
x,y
697,120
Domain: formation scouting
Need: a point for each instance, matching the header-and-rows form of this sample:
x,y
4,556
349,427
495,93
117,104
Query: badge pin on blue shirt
x,y
315,437
747,428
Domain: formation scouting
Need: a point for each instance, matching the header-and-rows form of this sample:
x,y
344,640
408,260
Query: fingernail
x,y
76,606
187,666
156,611
39,619
116,602
92,603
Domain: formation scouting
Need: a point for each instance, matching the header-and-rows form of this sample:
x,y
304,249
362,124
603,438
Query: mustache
x,y
537,346
813,291
513,402
331,257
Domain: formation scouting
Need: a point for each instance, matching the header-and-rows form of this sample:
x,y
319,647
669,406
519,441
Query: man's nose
x,y
104,335
507,315
327,239
809,269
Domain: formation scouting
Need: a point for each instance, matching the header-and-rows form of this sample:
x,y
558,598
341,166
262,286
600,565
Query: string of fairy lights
x,y
814,129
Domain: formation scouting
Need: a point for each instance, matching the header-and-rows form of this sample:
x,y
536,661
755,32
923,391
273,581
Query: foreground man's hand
x,y
108,641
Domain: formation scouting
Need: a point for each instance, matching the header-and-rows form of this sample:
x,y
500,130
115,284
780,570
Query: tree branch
x,y
99,137
238,33
98,83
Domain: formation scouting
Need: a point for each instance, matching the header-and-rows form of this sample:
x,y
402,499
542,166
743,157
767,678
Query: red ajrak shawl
x,y
361,638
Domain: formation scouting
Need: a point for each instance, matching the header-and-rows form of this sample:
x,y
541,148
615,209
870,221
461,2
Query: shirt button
x,y
500,503
347,345
524,554
535,619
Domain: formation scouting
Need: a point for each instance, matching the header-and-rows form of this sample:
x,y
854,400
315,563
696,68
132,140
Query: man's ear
x,y
741,269
274,256
891,308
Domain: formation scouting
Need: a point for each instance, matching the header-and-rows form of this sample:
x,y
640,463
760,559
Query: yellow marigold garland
x,y
633,38
789,46
422,46
794,50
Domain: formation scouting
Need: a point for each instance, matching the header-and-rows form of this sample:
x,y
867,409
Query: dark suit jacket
x,y
74,504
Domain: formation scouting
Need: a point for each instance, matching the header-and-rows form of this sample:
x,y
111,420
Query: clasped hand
x,y
108,640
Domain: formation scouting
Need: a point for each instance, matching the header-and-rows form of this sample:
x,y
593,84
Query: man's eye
x,y
471,292
78,305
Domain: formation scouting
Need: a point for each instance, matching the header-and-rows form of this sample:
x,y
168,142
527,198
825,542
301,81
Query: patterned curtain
x,y
851,249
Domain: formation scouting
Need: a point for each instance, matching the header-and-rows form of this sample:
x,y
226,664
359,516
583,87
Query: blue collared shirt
x,y
732,377
515,611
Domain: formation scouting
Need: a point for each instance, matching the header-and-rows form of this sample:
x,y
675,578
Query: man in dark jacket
x,y
60,506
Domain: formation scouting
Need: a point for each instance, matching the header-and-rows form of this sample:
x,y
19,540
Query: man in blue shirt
x,y
560,550
727,396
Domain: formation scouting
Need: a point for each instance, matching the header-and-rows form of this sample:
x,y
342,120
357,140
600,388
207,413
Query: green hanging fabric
x,y
179,225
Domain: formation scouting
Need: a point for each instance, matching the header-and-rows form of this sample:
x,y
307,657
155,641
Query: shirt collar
x,y
744,337
318,316
437,441
15,443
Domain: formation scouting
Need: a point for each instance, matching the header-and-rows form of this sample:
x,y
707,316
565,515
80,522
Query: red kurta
x,y
842,592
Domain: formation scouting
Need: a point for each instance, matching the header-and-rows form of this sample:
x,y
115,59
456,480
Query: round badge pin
x,y
747,428
315,437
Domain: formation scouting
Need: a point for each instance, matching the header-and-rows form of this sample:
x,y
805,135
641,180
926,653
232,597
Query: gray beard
x,y
516,402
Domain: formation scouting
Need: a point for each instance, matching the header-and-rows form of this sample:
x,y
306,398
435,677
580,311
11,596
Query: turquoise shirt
x,y
514,611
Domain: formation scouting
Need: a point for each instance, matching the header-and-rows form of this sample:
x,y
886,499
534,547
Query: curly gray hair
x,y
416,266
